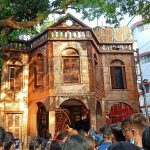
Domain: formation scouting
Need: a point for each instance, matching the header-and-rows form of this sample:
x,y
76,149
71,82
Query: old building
x,y
69,74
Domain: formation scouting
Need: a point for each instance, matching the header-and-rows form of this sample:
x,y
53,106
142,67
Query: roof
x,y
113,35
62,22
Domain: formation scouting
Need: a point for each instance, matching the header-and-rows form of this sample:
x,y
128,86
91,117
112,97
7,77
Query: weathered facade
x,y
66,75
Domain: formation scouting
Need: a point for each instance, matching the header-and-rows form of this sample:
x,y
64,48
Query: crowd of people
x,y
133,134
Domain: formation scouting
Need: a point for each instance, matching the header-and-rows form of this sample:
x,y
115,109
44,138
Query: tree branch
x,y
9,22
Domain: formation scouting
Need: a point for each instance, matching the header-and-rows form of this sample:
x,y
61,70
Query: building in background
x,y
141,34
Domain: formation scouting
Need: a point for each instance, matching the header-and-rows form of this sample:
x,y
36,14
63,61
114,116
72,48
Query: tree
x,y
20,16
16,14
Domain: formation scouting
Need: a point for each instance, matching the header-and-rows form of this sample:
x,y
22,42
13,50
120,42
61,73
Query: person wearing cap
x,y
107,139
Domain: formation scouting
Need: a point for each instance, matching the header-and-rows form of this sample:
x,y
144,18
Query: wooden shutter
x,y
40,72
66,70
12,78
71,70
113,80
124,78
75,73
18,77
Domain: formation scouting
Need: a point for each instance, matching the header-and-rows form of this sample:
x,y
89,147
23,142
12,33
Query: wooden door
x,y
14,124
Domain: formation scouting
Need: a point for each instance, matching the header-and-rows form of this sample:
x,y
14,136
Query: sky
x,y
101,21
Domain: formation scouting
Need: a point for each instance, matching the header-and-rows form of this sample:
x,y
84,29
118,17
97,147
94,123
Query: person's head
x,y
132,127
146,138
102,129
91,142
117,135
107,135
2,136
48,136
123,146
76,142
35,144
9,143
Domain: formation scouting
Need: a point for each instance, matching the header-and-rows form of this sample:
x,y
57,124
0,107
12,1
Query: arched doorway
x,y
42,120
78,114
118,112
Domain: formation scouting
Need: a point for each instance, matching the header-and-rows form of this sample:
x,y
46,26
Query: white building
x,y
141,34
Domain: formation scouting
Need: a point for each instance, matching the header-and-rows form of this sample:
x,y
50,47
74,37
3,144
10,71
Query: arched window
x,y
38,71
118,76
71,66
15,70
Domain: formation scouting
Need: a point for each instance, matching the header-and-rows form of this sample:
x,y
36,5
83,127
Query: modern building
x,y
141,34
69,74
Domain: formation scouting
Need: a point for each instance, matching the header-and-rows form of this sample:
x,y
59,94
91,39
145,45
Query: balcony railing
x,y
115,46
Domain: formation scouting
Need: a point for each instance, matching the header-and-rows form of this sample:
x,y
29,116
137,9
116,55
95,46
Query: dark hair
x,y
117,132
102,129
2,134
35,143
9,140
146,138
76,142
123,146
136,120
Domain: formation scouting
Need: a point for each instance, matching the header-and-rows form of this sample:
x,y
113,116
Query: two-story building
x,y
69,74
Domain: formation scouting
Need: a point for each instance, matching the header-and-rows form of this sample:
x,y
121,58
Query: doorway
x,y
77,113
42,120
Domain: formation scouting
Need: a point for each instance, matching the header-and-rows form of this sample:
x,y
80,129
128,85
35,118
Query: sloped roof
x,y
75,22
112,35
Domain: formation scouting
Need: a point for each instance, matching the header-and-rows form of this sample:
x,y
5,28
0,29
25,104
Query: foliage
x,y
19,17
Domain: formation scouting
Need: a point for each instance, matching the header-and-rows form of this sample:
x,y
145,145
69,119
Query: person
x,y
76,142
123,146
9,143
54,145
117,135
17,144
92,143
35,144
2,137
132,128
107,139
146,138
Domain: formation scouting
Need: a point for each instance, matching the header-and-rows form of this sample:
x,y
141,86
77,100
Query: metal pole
x,y
144,96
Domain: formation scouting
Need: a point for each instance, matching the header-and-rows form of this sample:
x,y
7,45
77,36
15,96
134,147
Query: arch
x,y
70,52
118,112
116,62
14,62
42,120
77,113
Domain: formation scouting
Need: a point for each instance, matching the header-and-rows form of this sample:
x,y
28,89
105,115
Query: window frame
x,y
122,75
70,57
38,72
15,78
